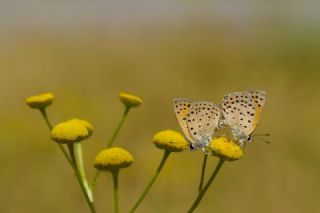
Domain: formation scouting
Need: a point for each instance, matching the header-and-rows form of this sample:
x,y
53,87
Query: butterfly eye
x,y
192,147
250,138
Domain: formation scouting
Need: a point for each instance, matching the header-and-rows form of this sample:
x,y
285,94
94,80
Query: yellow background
x,y
87,52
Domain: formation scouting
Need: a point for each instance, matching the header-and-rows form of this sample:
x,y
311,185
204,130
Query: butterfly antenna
x,y
263,140
264,135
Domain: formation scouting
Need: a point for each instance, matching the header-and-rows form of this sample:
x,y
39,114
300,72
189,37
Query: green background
x,y
88,52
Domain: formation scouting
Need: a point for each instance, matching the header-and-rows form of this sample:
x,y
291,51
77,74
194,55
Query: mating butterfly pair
x,y
239,110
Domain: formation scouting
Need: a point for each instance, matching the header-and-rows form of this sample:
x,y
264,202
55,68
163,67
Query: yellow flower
x,y
130,100
113,159
40,101
170,140
85,123
225,148
69,132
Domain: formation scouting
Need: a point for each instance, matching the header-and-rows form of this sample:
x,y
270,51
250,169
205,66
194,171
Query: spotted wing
x,y
202,120
242,110
181,108
229,106
258,99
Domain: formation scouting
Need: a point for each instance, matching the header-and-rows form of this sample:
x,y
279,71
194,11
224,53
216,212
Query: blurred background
x,y
86,52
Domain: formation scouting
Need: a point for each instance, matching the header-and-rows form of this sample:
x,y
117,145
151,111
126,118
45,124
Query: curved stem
x,y
206,187
78,176
93,181
203,171
115,134
164,159
64,152
115,175
82,171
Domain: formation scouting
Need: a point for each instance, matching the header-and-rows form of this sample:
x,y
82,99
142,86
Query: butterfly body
x,y
201,144
240,136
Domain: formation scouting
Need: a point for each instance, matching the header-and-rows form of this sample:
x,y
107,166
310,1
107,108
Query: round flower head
x,y
85,123
69,132
170,140
130,100
225,148
113,159
40,101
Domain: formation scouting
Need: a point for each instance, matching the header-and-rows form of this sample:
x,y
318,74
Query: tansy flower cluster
x,y
170,140
130,100
226,149
71,131
68,135
40,101
112,159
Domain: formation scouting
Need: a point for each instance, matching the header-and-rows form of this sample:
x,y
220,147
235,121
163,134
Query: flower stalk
x,y
112,160
206,187
155,176
115,176
93,181
46,118
203,171
79,179
129,101
82,171
115,134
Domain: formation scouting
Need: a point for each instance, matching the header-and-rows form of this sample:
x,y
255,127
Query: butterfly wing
x,y
258,99
202,120
229,106
181,108
242,110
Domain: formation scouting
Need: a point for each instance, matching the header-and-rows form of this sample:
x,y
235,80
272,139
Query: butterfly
x,y
241,112
198,121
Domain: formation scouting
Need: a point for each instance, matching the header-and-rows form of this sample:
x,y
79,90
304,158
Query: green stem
x,y
147,189
115,175
82,171
64,152
45,116
93,182
78,176
206,187
115,134
203,171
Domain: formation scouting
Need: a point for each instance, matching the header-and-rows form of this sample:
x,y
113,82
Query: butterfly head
x,y
241,137
192,147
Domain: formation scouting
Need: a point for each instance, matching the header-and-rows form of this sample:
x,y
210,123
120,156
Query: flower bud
x,y
170,140
225,148
40,101
113,159
130,100
69,132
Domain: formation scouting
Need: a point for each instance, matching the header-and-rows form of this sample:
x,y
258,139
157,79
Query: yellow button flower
x,y
40,101
225,148
130,100
85,123
69,132
113,159
170,140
